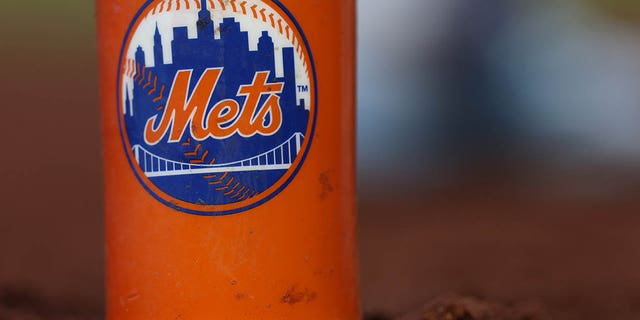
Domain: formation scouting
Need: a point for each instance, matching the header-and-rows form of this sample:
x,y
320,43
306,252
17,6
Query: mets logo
x,y
217,102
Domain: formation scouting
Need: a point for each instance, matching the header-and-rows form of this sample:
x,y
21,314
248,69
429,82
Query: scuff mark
x,y
325,185
293,296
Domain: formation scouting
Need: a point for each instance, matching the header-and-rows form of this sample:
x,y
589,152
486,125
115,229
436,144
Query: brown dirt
x,y
569,243
22,304
453,307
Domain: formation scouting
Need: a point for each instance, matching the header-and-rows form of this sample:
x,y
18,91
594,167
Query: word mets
x,y
225,119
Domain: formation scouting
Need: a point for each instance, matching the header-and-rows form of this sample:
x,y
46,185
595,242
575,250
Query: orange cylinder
x,y
229,158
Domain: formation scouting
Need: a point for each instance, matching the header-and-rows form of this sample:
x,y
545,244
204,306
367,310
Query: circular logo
x,y
217,102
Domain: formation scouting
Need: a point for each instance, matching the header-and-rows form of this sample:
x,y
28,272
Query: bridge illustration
x,y
278,158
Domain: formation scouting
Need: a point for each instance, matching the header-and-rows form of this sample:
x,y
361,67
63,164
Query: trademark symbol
x,y
304,88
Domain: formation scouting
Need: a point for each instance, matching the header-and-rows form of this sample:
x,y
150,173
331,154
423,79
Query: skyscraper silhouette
x,y
158,55
205,23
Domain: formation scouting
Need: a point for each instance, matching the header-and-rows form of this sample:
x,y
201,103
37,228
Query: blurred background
x,y
501,161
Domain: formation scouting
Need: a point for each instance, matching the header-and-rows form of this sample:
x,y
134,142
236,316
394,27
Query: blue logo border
x,y
237,210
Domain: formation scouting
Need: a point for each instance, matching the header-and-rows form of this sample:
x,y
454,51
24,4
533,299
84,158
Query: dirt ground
x,y
567,246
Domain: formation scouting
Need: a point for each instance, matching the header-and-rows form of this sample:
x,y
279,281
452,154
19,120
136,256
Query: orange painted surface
x,y
293,257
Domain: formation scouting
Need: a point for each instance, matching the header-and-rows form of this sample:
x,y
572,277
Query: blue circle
x,y
133,164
